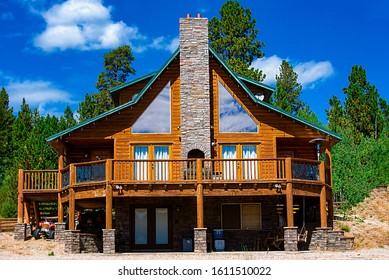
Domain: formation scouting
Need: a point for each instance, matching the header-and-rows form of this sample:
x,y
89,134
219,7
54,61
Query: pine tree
x,y
234,38
6,122
117,68
288,90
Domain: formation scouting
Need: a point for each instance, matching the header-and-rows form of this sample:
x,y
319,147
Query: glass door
x,y
151,228
229,166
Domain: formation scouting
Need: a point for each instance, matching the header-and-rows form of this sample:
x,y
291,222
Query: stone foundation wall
x,y
72,242
326,239
90,243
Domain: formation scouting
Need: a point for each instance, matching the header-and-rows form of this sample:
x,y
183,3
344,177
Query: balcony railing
x,y
175,171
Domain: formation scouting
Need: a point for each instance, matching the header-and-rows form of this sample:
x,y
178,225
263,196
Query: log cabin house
x,y
189,152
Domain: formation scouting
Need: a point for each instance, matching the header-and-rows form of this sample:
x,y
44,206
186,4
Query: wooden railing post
x,y
20,196
108,170
289,192
72,174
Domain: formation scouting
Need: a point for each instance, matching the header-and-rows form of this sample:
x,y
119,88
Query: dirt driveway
x,y
49,249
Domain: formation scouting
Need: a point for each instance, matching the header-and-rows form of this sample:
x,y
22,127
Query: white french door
x,y
151,163
161,168
250,167
141,166
229,163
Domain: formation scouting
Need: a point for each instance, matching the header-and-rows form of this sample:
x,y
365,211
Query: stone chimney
x,y
195,86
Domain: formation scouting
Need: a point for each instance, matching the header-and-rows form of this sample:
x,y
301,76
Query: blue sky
x,y
51,51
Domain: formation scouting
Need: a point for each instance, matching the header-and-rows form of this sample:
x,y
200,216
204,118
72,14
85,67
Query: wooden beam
x,y
108,207
323,210
72,209
289,193
200,206
289,205
60,209
27,212
20,196
36,212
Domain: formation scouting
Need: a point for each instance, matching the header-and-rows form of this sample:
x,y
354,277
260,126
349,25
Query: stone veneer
x,y
200,240
108,241
72,242
290,239
60,232
326,239
195,86
20,231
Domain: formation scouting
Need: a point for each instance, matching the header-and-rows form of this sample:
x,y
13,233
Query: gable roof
x,y
155,75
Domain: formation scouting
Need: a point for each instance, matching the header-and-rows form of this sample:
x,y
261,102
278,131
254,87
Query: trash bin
x,y
218,240
187,244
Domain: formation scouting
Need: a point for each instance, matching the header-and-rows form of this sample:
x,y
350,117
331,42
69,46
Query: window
x,y
151,163
241,216
234,169
232,116
157,117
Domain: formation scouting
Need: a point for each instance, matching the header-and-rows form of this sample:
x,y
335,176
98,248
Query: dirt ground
x,y
368,223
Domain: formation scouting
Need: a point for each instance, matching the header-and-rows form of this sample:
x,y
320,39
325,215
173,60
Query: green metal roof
x,y
154,76
124,85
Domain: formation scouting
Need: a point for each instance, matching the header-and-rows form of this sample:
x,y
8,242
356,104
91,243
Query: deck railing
x,y
174,171
40,179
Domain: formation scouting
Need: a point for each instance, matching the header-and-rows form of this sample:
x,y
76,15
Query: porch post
x,y
20,196
60,209
289,193
72,209
59,201
323,197
199,194
200,206
108,207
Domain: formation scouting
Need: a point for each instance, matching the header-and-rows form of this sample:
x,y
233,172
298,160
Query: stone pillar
x,y
72,242
290,239
200,240
108,241
20,231
60,232
195,86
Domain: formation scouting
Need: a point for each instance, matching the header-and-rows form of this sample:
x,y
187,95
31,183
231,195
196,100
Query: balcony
x,y
188,171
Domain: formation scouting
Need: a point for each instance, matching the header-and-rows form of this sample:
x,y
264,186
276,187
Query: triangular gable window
x,y
232,117
157,117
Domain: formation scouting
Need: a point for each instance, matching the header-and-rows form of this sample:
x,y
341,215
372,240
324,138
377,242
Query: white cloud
x,y
270,66
84,25
40,94
87,25
309,73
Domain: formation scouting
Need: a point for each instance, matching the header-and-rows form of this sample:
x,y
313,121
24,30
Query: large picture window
x,y
232,116
157,117
241,216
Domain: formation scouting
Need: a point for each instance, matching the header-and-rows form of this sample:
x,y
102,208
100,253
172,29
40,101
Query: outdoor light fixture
x,y
317,142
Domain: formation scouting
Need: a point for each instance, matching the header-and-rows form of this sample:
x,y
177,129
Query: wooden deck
x,y
157,173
